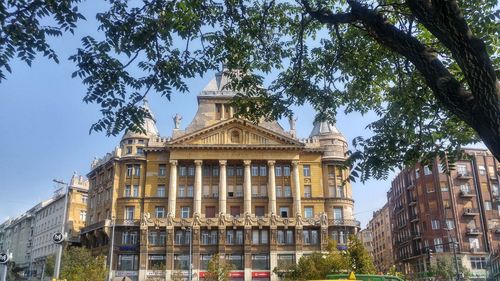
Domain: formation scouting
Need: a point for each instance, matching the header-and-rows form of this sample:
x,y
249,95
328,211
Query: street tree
x,y
444,269
78,264
218,270
359,260
425,67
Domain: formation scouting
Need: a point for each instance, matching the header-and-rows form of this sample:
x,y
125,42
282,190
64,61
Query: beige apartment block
x,y
380,226
253,193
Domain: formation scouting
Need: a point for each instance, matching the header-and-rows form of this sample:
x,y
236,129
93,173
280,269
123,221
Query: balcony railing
x,y
127,222
471,212
414,218
472,231
466,194
346,222
416,235
464,175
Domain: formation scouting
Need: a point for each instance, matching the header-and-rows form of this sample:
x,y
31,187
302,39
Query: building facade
x,y
431,210
366,238
252,193
48,219
380,226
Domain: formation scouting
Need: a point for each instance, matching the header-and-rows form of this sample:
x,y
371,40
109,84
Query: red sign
x,y
236,274
261,274
202,274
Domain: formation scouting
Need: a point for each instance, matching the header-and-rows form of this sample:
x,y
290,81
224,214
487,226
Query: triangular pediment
x,y
235,132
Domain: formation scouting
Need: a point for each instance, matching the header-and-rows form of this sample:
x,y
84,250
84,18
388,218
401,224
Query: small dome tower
x,y
331,139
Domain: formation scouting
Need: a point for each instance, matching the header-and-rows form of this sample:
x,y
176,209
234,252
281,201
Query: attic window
x,y
235,137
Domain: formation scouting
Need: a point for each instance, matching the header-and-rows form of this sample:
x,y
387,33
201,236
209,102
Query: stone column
x,y
271,186
222,186
172,187
247,187
296,188
197,186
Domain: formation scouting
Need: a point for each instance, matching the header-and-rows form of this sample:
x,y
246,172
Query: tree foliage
x,y
78,264
426,68
444,269
25,26
49,266
218,270
317,265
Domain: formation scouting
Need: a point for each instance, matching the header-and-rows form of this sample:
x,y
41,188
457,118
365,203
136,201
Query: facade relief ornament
x,y
222,219
196,219
170,219
248,219
177,120
324,219
274,220
146,219
298,219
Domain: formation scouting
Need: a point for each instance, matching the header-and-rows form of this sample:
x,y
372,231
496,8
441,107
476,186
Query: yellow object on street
x,y
351,276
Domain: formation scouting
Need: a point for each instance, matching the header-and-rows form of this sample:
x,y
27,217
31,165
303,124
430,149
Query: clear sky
x,y
45,128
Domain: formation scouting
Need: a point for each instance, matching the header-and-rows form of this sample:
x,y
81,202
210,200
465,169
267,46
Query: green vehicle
x,y
365,277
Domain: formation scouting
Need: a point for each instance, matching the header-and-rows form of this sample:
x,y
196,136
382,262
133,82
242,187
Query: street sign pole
x,y
61,244
4,259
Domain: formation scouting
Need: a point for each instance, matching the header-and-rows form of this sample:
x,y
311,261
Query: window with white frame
x,y
137,170
128,191
307,191
308,212
160,190
129,212
162,170
482,170
129,170
135,191
185,212
435,224
306,170
160,212
438,245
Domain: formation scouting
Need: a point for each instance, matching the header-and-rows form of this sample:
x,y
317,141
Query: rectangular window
x,y
136,190
286,260
474,243
239,171
84,199
259,211
129,212
182,171
191,171
206,171
162,170
487,205
260,261
128,191
210,212
128,262
287,191
215,171
279,191
263,171
284,212
478,262
230,171
236,260
340,191
160,212
255,190
277,171
160,190
137,170
235,211
307,191
152,238
157,261
185,212
307,170
162,238
427,170
286,171
83,215
255,170
190,191
308,212
209,237
181,192
435,224
204,260
462,170
482,170
129,170
450,224
239,191
181,262
337,213
438,245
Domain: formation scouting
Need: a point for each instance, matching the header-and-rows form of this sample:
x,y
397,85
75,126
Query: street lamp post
x,y
113,221
453,243
61,245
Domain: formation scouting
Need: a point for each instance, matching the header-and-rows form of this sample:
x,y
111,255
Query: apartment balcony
x,y
416,235
464,175
414,218
343,222
413,201
472,231
410,186
466,194
471,212
496,198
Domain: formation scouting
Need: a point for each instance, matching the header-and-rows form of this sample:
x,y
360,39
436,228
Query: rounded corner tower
x,y
331,140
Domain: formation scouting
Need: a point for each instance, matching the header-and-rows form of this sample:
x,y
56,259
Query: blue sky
x,y
45,127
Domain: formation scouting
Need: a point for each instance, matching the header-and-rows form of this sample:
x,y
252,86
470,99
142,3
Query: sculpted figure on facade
x,y
298,218
274,219
146,217
177,120
170,219
196,219
248,219
222,219
324,219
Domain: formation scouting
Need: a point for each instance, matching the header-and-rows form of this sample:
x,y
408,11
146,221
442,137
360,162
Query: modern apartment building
x,y
254,194
48,219
380,226
430,210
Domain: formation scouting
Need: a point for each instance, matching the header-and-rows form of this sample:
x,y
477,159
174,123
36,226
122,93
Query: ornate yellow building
x,y
254,194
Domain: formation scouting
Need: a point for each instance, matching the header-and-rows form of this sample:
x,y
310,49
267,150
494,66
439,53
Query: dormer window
x,y
130,141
